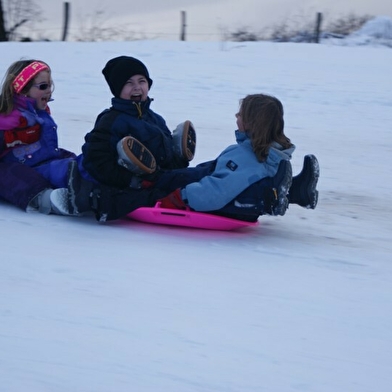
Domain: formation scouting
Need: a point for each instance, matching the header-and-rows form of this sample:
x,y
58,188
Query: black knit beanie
x,y
118,70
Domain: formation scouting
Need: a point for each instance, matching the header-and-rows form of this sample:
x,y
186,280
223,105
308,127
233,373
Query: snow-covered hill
x,y
301,303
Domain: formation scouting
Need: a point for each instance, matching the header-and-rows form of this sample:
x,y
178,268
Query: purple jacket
x,y
44,155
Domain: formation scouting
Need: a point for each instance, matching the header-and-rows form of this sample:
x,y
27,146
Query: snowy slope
x,y
300,303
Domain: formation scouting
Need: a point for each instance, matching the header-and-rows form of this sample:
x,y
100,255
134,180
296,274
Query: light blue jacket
x,y
236,169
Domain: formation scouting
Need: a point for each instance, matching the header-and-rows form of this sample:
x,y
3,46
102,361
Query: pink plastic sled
x,y
199,220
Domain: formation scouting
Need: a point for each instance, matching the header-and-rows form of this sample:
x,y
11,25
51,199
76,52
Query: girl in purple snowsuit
x,y
28,137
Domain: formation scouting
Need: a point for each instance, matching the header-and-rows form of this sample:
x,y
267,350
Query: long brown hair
x,y
7,90
262,117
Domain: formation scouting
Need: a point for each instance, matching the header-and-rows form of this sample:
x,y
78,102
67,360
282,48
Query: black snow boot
x,y
79,191
281,183
303,189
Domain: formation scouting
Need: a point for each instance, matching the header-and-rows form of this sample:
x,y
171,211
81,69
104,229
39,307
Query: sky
x,y
302,302
206,19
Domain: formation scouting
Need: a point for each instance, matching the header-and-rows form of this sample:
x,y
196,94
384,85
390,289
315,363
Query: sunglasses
x,y
43,86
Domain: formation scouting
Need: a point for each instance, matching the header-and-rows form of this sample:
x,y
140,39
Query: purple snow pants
x,y
19,184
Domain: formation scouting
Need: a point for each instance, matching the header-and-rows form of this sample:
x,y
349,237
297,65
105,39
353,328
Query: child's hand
x,y
174,201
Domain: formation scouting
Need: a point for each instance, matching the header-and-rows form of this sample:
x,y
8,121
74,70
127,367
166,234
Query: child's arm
x,y
100,160
22,133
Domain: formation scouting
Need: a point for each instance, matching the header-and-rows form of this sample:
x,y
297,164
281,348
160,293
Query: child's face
x,y
41,90
240,124
135,89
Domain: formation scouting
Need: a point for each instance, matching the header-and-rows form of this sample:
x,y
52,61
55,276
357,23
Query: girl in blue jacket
x,y
238,181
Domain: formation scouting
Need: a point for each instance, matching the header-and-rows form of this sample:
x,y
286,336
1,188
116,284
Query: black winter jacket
x,y
126,118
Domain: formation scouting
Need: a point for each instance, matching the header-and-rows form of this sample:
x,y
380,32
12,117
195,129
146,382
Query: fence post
x,y
3,33
183,25
66,20
318,27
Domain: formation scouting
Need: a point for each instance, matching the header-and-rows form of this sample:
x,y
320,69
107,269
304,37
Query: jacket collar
x,y
241,136
23,102
136,109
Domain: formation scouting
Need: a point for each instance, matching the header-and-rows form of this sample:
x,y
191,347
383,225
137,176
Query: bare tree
x,y
15,14
94,28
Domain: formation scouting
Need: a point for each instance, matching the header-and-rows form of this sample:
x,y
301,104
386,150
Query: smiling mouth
x,y
136,98
45,100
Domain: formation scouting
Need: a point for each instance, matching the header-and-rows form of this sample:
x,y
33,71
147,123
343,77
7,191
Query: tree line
x,y
18,14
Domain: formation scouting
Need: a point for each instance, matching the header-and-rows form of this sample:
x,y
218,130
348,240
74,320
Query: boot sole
x,y
189,140
184,140
59,202
139,155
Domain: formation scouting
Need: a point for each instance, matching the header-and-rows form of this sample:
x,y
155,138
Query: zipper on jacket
x,y
139,109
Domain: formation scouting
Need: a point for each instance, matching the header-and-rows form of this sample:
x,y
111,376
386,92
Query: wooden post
x,y
66,20
3,33
183,26
318,27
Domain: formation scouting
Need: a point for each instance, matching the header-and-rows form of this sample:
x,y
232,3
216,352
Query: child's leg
x,y
172,179
267,196
20,184
56,172
281,183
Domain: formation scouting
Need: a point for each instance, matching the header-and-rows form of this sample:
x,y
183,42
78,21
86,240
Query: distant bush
x,y
285,32
242,35
347,25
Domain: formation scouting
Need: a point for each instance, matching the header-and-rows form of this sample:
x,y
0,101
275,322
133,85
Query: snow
x,y
300,303
380,27
375,32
